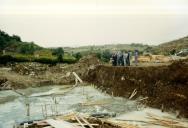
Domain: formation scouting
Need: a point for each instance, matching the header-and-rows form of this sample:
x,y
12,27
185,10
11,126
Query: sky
x,y
54,23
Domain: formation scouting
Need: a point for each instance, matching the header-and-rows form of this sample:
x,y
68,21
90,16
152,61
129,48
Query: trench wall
x,y
165,86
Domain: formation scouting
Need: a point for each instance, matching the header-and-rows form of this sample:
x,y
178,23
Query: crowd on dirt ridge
x,y
123,58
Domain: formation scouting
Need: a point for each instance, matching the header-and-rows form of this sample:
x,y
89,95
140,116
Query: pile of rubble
x,y
85,64
34,69
155,58
36,74
74,121
29,68
87,121
159,58
5,84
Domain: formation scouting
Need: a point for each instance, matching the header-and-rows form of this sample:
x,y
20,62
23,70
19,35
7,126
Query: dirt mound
x,y
83,66
29,68
88,60
36,74
165,86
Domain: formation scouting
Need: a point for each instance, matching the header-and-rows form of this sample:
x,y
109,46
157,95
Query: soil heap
x,y
165,86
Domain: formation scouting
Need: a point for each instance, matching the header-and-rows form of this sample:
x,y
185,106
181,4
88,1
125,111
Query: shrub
x,y
60,58
77,55
45,60
22,59
6,59
69,60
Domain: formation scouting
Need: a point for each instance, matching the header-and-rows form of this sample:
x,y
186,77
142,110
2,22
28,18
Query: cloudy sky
x,y
94,22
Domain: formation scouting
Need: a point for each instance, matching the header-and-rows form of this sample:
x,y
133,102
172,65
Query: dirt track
x,y
166,86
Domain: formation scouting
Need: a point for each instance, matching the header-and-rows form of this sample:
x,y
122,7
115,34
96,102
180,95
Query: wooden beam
x,y
77,77
79,122
86,122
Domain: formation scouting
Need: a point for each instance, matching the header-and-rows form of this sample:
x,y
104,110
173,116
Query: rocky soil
x,y
22,75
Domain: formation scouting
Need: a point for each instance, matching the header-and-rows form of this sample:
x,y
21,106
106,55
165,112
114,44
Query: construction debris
x,y
37,74
31,69
167,122
60,124
103,115
5,84
133,94
77,122
130,82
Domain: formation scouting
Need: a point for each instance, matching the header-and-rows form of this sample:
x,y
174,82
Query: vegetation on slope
x,y
28,51
13,49
171,47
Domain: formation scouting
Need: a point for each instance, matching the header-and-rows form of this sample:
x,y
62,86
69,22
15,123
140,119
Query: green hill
x,y
172,46
15,44
110,47
13,49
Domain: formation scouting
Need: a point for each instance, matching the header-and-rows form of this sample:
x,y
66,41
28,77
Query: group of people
x,y
123,58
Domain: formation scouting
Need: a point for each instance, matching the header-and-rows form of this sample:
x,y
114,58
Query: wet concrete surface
x,y
85,99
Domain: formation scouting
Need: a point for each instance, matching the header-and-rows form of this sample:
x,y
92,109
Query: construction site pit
x,y
53,103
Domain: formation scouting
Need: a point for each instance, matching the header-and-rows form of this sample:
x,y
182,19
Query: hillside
x,y
15,44
111,47
13,49
168,47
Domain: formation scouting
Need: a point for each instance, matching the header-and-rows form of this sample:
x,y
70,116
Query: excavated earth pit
x,y
85,101
58,100
164,87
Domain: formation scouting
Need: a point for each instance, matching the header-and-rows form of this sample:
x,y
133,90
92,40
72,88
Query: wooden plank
x,y
77,77
86,122
48,127
60,124
133,94
79,122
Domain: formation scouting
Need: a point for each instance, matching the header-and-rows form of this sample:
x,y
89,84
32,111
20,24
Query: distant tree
x,y
59,52
2,43
148,49
77,55
98,54
17,38
4,38
24,49
28,48
106,55
60,58
14,44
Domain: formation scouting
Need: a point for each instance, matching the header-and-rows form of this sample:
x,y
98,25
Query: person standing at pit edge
x,y
118,58
128,58
125,58
136,57
114,59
